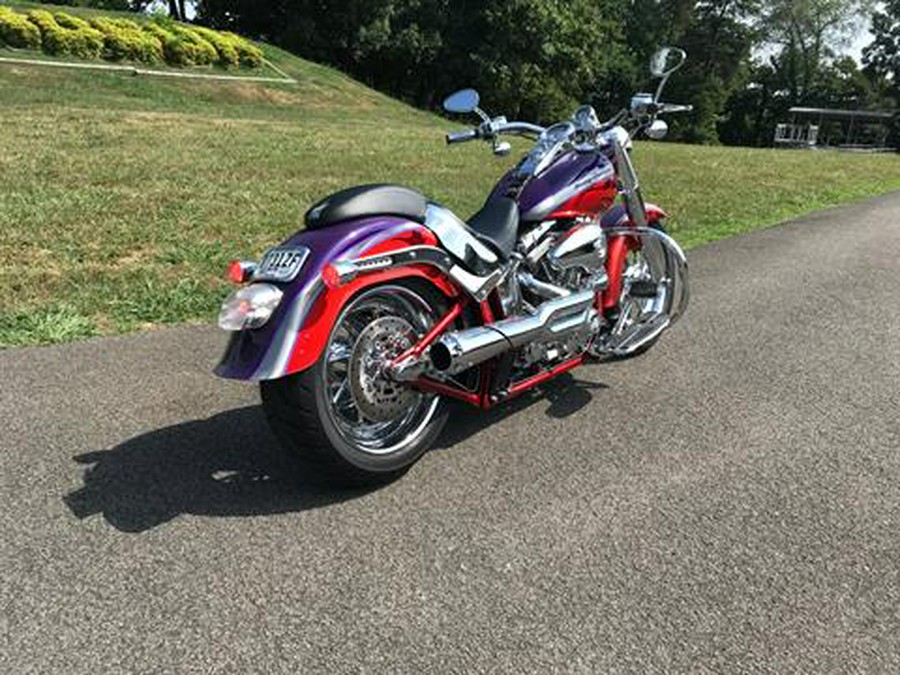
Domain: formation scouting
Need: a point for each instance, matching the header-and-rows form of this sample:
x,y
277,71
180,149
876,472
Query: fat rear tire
x,y
297,410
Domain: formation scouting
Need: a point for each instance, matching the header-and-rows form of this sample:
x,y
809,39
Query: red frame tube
x,y
438,328
470,397
533,381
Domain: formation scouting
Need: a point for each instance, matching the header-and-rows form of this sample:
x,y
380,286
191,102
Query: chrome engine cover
x,y
582,247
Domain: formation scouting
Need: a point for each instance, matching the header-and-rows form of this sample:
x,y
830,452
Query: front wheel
x,y
638,299
344,413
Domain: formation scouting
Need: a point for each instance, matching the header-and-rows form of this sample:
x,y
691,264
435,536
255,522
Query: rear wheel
x,y
345,413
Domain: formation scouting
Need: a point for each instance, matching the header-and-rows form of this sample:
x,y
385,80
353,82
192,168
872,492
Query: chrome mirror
x,y
657,130
463,101
666,61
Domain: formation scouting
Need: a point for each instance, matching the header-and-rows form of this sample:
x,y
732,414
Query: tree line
x,y
749,60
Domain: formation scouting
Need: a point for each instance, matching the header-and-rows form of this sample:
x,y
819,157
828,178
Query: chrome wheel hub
x,y
378,397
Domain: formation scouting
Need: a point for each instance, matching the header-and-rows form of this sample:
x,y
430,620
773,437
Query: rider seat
x,y
367,200
497,224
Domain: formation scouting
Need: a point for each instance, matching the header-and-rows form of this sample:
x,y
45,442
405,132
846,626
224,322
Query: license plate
x,y
281,264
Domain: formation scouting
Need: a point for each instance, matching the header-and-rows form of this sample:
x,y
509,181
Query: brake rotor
x,y
377,396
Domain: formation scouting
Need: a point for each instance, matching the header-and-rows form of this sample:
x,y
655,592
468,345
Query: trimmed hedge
x,y
69,21
224,46
192,48
233,50
17,31
251,56
117,39
181,47
124,39
83,42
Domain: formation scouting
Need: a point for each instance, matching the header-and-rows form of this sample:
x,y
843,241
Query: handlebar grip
x,y
674,108
462,136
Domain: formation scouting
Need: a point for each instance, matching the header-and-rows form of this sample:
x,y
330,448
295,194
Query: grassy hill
x,y
122,198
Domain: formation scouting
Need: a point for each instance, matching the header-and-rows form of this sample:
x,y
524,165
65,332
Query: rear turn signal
x,y
240,271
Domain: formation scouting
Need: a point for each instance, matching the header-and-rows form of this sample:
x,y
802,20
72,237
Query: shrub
x,y
201,52
118,39
83,41
171,45
224,45
69,21
181,46
53,36
251,55
124,39
17,31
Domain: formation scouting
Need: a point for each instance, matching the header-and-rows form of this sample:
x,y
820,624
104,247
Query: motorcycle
x,y
363,326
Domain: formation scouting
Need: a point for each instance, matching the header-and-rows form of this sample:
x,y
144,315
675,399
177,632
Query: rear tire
x,y
350,425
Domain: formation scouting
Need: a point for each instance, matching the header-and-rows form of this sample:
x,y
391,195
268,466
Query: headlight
x,y
249,307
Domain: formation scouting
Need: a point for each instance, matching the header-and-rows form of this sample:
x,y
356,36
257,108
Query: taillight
x,y
249,307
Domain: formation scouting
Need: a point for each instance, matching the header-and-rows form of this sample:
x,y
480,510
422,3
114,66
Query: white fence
x,y
800,135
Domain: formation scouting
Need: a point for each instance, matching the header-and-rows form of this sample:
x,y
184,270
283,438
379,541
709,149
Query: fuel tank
x,y
576,184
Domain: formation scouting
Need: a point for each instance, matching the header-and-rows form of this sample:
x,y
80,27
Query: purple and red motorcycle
x,y
361,327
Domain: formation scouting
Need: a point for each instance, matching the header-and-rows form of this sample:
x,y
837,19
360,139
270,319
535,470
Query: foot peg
x,y
643,289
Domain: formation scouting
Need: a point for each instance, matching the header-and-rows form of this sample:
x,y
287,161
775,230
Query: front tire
x,y
344,415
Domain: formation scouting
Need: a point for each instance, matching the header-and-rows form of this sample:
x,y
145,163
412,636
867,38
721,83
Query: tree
x,y
882,58
540,57
806,33
532,58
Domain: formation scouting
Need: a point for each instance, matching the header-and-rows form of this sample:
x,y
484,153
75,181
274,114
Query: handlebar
x,y
673,107
494,128
519,128
462,136
490,129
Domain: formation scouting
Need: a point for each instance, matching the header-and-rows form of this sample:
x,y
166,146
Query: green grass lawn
x,y
122,198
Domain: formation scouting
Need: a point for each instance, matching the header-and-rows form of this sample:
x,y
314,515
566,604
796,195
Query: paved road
x,y
729,502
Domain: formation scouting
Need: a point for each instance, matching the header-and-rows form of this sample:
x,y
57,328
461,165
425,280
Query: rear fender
x,y
293,339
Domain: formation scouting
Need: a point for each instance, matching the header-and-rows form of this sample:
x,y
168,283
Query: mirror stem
x,y
659,89
483,115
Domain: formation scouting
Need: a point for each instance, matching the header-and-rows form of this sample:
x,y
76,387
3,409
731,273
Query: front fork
x,y
618,247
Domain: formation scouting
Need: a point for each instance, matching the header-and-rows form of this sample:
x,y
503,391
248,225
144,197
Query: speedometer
x,y
557,133
586,119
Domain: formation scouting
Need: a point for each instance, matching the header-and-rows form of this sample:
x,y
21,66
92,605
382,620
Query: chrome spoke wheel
x,y
372,412
634,309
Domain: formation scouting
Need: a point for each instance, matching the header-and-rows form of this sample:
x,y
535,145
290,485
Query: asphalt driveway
x,y
729,502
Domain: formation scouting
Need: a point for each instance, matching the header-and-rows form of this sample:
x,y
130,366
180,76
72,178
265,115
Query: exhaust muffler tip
x,y
440,356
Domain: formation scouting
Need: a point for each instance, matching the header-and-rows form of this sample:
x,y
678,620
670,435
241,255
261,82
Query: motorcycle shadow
x,y
231,465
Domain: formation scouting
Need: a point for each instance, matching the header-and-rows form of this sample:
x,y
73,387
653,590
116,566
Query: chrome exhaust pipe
x,y
460,350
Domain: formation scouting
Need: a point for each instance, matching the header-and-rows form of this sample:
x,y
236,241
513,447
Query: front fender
x,y
617,217
294,337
